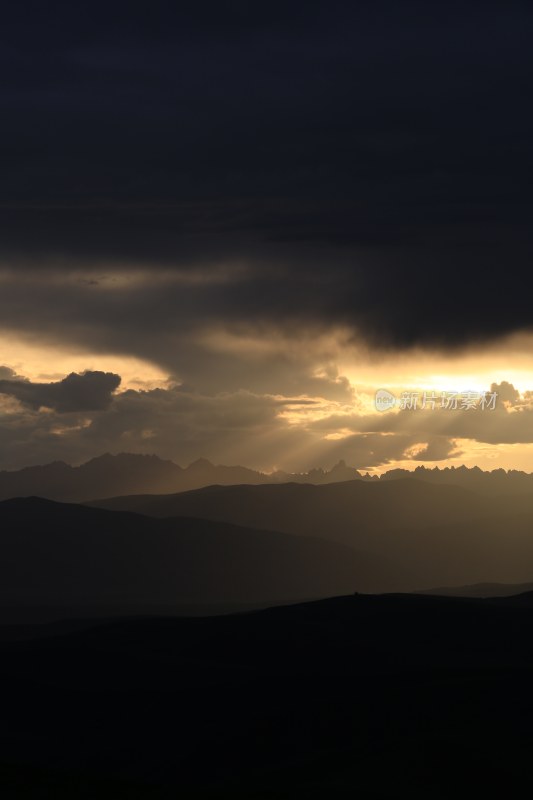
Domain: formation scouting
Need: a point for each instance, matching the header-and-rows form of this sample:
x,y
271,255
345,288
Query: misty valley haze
x,y
401,532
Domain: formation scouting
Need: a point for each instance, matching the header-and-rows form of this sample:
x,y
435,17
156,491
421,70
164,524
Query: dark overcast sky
x,y
232,219
370,162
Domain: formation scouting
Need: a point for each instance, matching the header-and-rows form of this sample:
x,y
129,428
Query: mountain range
x,y
435,535
128,473
247,538
67,558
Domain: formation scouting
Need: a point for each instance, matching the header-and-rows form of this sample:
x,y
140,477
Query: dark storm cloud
x,y
370,162
8,374
170,324
91,391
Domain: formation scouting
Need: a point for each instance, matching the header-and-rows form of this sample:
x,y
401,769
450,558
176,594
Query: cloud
x,y
90,391
511,421
8,374
357,177
249,223
506,392
85,418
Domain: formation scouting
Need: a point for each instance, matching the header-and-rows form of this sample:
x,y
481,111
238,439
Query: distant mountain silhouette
x,y
442,535
59,481
129,473
498,481
69,556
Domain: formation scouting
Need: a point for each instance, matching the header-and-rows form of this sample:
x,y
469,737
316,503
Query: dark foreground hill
x,y
361,696
441,535
69,557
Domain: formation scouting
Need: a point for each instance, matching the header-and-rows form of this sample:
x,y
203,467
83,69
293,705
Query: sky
x,y
225,226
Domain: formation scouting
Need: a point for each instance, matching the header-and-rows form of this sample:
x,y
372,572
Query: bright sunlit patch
x,y
309,410
340,434
415,450
469,453
472,369
64,430
45,363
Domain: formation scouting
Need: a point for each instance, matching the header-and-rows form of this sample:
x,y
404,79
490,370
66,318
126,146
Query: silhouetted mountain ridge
x,y
128,473
66,555
441,535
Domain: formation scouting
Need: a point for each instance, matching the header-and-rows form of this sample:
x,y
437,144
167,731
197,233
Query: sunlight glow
x,y
47,363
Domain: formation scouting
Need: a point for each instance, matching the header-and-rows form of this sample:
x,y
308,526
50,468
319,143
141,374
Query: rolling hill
x,y
441,534
361,696
68,557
